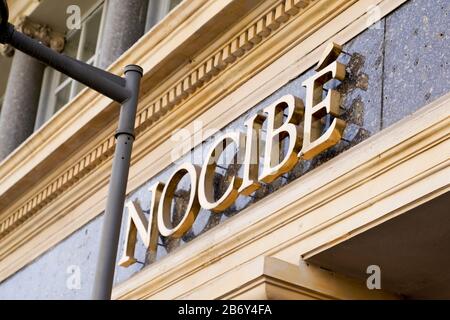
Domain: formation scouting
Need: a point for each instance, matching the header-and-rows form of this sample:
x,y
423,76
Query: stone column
x,y
21,102
125,24
23,89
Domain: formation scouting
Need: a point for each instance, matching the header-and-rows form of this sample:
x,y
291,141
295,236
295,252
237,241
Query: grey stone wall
x,y
417,58
53,274
395,67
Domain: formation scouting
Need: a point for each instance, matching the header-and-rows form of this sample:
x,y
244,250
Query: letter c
x,y
205,185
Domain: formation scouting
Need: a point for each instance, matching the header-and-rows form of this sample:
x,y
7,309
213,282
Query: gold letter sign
x,y
316,108
286,141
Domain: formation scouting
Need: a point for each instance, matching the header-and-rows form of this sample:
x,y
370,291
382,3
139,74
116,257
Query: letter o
x,y
164,213
205,188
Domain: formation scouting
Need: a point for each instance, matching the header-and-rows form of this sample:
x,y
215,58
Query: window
x,y
83,44
157,10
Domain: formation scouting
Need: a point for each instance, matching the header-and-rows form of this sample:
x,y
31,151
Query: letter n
x,y
138,224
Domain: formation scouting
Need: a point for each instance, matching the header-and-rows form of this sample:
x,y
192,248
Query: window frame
x,y
51,83
156,11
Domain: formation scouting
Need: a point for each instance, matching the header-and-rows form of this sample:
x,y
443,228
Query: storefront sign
x,y
290,124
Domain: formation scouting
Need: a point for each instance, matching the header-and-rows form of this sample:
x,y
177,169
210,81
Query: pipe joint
x,y
128,132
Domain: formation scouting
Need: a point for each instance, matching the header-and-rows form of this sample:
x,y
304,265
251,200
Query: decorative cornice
x,y
279,61
42,33
260,30
39,32
66,180
278,280
365,186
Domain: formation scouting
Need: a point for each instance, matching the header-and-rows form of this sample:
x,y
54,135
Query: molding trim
x,y
268,278
258,31
17,10
21,8
369,184
74,207
90,113
59,185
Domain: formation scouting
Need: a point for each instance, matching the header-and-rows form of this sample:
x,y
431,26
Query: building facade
x,y
351,202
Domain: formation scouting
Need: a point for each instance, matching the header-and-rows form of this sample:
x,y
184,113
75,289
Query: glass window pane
x,y
92,30
78,87
157,10
80,44
45,105
152,14
71,50
62,78
174,3
72,44
62,97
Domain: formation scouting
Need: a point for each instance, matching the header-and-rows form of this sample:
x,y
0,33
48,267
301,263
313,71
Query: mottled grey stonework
x,y
51,276
21,102
370,77
361,108
417,67
125,24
